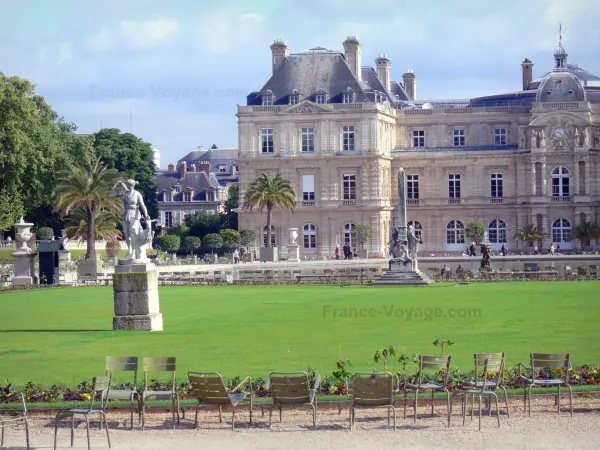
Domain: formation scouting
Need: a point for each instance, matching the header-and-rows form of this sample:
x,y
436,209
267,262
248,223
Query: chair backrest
x,y
208,387
489,367
438,363
550,361
166,364
290,388
373,389
122,364
102,386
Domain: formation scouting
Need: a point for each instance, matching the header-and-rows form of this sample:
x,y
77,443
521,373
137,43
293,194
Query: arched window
x,y
418,229
310,236
561,182
561,231
497,231
455,232
350,234
272,236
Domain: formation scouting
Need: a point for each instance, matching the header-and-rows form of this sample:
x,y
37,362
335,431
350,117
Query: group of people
x,y
552,250
349,252
472,250
238,253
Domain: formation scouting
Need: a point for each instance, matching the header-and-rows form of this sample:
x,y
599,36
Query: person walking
x,y
503,250
552,249
535,250
337,252
236,256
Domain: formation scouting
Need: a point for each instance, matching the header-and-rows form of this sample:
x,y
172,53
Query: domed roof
x,y
560,87
560,50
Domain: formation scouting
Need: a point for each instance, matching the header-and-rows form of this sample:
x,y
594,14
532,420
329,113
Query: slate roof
x,y
198,182
586,78
314,70
214,155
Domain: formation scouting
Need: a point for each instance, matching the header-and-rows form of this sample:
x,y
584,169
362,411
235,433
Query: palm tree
x,y
87,185
270,191
587,231
529,233
105,226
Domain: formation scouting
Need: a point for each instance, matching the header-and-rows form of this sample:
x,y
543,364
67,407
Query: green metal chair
x,y
292,389
209,389
429,363
494,380
102,387
539,374
372,390
167,364
15,419
483,386
125,364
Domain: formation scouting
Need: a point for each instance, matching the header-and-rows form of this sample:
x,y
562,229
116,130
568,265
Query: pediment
x,y
305,107
562,117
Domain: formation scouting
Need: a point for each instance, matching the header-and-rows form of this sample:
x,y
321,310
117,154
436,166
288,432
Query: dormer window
x,y
268,98
177,188
321,99
348,96
295,97
210,196
187,196
167,196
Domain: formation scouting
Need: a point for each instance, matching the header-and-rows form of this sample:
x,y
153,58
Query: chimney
x,y
204,166
182,169
201,147
280,51
353,56
171,167
410,84
527,70
384,71
193,168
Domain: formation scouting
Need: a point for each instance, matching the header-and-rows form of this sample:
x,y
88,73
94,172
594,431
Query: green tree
x,y
105,226
267,192
475,232
34,144
247,237
213,241
585,232
529,233
231,238
87,185
170,243
231,216
44,234
130,155
202,223
364,232
191,243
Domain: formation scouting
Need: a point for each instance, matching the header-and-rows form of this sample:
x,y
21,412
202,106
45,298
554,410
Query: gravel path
x,y
545,430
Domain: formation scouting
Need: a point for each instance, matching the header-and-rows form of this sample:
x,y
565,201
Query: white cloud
x,y
252,17
134,35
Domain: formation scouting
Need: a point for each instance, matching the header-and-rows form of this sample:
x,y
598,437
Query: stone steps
x,y
412,278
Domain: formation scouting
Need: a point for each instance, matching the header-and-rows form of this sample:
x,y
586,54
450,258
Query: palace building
x,y
339,131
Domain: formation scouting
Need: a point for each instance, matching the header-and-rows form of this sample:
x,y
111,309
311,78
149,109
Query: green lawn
x,y
62,335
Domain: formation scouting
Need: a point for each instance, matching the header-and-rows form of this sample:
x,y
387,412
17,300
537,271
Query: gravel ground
x,y
545,430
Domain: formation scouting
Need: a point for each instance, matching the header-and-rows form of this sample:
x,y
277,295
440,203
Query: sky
x,y
174,71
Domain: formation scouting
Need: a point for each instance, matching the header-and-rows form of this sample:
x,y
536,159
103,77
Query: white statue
x,y
133,210
485,237
413,243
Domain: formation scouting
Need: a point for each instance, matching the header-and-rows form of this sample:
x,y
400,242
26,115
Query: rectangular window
x,y
348,98
459,138
308,139
168,219
454,186
187,196
348,138
267,100
294,99
222,168
496,185
500,136
210,196
308,187
321,99
349,187
177,188
167,196
266,136
412,185
419,138
186,214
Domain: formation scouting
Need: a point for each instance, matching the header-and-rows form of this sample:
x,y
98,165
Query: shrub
x,y
247,237
191,243
213,241
170,243
231,238
113,248
45,234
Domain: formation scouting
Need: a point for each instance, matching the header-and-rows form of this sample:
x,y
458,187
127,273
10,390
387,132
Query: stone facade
x,y
501,162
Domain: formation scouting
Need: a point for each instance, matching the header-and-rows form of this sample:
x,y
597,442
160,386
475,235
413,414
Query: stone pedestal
x,y
135,284
24,262
401,274
269,254
88,269
293,252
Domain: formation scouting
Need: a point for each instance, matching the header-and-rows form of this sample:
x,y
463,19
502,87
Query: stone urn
x,y
23,235
293,236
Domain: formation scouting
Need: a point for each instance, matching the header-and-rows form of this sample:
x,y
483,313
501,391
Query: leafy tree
x,y
105,225
475,232
202,223
270,191
213,241
44,234
529,233
585,232
231,238
130,155
191,243
363,234
170,243
181,230
34,144
231,216
247,237
87,185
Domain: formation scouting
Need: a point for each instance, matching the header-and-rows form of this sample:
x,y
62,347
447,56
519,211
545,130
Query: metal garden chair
x,y
16,418
372,390
160,365
292,389
494,380
125,364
